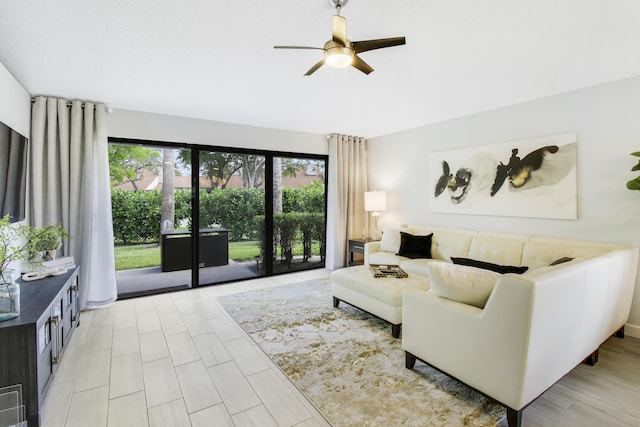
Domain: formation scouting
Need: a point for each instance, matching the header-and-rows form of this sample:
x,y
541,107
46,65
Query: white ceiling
x,y
215,60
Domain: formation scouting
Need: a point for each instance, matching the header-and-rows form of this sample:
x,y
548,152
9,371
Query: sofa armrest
x,y
484,348
369,248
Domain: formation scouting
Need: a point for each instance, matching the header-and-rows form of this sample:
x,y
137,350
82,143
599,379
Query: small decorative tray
x,y
387,270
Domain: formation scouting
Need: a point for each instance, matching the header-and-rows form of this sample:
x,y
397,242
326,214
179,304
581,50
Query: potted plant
x,y
634,184
14,246
47,240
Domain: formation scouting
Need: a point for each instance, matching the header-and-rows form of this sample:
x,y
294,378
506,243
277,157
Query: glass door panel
x,y
299,213
232,215
151,207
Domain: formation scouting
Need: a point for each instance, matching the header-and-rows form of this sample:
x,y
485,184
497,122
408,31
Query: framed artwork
x,y
528,178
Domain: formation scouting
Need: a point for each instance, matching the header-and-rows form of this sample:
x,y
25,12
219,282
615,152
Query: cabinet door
x,y
44,346
69,314
75,302
57,331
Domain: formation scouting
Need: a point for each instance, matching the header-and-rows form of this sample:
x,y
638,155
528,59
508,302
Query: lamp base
x,y
375,234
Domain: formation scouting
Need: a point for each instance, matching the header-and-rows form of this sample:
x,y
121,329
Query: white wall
x,y
606,119
148,126
15,103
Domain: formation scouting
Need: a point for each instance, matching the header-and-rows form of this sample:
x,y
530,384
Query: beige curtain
x,y
346,217
69,185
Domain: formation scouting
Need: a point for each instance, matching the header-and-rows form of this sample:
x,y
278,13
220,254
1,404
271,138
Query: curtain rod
x,y
69,103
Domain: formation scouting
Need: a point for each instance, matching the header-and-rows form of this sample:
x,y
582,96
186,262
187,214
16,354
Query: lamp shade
x,y
375,201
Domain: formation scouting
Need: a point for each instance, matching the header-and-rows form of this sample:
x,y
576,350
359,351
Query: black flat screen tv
x,y
13,173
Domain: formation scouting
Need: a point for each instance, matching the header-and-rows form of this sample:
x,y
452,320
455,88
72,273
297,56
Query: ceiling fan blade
x,y
340,30
297,47
361,65
314,68
365,45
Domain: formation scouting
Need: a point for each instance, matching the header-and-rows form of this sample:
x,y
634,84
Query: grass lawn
x,y
137,256
144,255
148,254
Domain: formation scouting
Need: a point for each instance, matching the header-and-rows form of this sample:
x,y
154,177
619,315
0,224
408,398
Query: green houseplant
x,y
20,242
634,184
47,239
14,246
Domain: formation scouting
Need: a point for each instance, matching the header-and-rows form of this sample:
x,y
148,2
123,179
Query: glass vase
x,y
9,296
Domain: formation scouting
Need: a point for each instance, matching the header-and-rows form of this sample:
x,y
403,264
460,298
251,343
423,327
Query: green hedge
x,y
136,214
291,228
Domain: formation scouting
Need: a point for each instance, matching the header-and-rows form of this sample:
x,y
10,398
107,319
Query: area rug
x,y
349,365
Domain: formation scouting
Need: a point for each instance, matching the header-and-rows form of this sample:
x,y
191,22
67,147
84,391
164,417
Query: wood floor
x,y
179,360
607,394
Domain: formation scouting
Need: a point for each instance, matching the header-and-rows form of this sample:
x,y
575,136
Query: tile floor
x,y
174,359
178,359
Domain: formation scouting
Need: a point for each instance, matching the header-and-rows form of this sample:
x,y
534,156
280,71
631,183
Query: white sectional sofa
x,y
510,336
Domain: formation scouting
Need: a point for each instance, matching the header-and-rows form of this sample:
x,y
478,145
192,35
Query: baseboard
x,y
632,330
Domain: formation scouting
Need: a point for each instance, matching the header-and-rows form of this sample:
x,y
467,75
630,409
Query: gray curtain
x,y
69,185
346,217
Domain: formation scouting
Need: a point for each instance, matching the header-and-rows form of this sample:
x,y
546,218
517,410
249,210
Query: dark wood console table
x,y
175,249
33,343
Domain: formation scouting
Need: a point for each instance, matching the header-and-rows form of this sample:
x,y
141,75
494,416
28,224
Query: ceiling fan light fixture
x,y
338,56
339,51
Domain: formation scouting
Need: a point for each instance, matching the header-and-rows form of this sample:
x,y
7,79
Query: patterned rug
x,y
349,365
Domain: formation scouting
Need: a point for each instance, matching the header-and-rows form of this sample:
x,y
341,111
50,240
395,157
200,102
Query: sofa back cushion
x,y
448,243
542,251
498,248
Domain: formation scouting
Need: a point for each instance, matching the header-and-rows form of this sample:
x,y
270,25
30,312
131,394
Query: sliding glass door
x,y
151,208
231,193
299,213
189,215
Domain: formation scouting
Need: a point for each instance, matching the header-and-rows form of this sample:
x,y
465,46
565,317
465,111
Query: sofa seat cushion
x,y
388,290
468,285
386,258
418,266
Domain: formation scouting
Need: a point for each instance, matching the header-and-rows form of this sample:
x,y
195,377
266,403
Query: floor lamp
x,y
374,202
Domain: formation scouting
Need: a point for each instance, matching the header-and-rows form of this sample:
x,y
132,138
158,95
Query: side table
x,y
356,246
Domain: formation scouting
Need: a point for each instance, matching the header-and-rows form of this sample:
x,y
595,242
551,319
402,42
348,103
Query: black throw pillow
x,y
415,246
561,260
502,269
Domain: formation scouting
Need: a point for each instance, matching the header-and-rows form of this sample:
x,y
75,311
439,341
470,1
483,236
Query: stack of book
x,y
58,265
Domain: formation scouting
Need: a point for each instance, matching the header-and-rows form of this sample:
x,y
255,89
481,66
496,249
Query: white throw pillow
x,y
468,285
390,241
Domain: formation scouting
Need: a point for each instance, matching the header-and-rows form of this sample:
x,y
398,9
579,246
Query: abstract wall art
x,y
529,178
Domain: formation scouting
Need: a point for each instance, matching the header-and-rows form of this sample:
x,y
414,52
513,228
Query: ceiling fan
x,y
339,52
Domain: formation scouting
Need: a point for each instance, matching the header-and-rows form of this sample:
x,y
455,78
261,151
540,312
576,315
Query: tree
x,y
277,185
168,189
218,167
252,170
128,162
291,167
